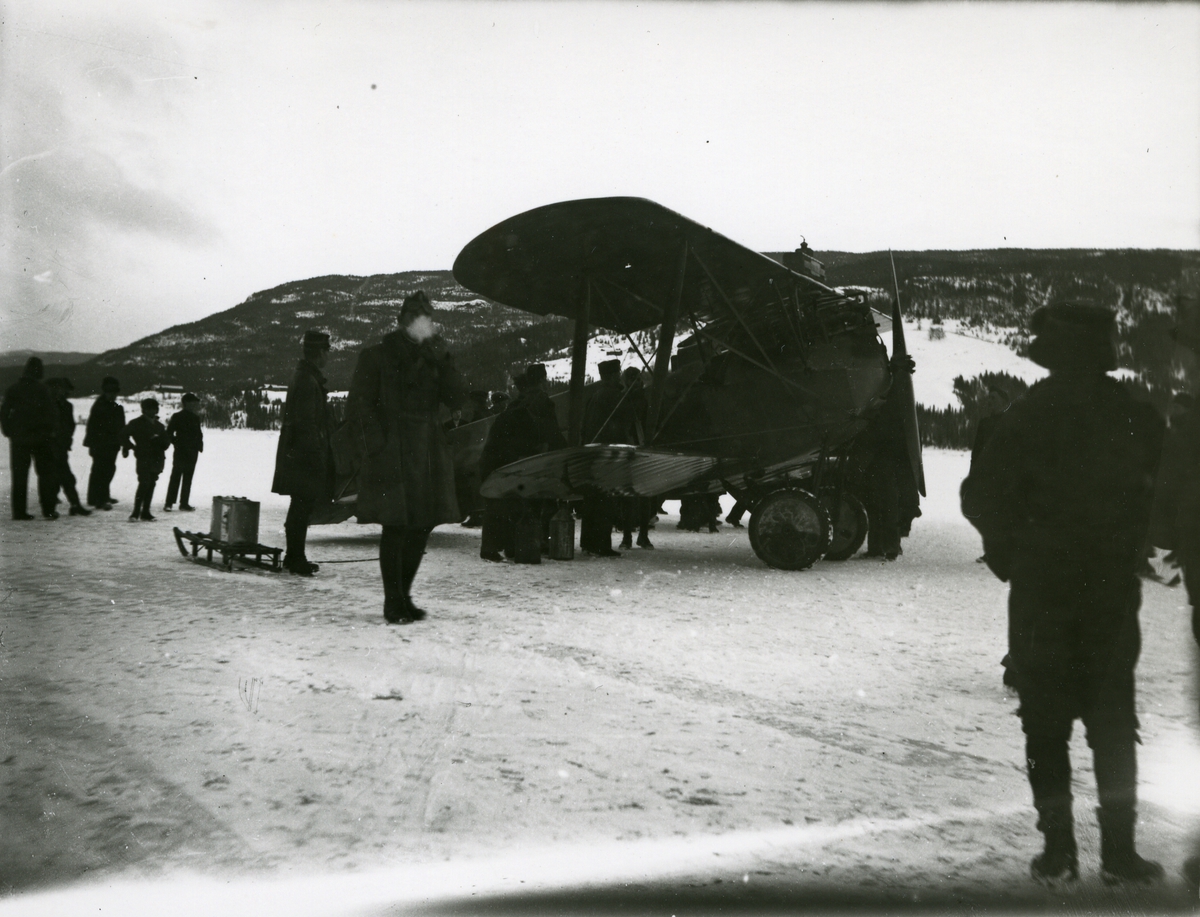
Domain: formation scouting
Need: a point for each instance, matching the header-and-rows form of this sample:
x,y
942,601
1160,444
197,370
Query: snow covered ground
x,y
683,728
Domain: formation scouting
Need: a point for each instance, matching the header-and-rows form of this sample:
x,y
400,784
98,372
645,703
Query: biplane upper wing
x,y
629,250
615,469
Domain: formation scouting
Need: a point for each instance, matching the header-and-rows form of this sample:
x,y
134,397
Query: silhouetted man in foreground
x,y
28,418
1061,494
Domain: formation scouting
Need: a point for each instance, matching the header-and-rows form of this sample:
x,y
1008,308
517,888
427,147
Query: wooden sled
x,y
251,554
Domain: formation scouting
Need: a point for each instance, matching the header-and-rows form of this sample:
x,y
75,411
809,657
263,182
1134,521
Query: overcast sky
x,y
161,161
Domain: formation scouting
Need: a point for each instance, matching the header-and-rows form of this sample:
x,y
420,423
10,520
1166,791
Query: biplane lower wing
x,y
615,469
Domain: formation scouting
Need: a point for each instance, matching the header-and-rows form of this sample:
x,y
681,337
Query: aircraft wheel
x,y
790,530
849,527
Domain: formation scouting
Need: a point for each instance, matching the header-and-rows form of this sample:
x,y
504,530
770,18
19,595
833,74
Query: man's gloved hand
x,y
902,363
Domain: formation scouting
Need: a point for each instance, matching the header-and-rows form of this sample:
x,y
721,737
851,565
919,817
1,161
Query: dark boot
x,y
1059,862
390,546
410,558
1119,861
1048,763
294,559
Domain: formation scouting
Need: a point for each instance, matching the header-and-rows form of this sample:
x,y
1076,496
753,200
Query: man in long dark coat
x,y
1062,494
29,419
528,426
304,457
64,439
406,476
103,437
889,489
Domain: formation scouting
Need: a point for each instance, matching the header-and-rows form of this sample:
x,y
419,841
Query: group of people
x,y
1068,488
614,412
39,421
527,426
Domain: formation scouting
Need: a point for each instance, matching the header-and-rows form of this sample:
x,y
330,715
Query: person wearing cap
x,y
406,472
1062,493
147,439
602,423
102,438
29,419
187,442
304,456
64,436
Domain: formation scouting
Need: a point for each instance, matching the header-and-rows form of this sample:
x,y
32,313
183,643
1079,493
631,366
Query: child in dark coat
x,y
148,440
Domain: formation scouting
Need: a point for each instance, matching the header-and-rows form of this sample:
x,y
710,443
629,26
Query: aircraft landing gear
x,y
790,530
849,526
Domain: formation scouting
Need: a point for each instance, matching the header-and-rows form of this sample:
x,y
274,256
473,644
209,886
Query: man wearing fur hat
x,y
406,476
1062,494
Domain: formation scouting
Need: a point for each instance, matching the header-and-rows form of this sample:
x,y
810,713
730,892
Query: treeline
x,y
252,410
954,427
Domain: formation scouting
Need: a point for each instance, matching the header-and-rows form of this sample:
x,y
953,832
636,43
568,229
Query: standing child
x,y
148,439
187,440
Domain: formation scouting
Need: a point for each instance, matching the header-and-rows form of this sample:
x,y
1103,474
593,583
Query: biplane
x,y
761,374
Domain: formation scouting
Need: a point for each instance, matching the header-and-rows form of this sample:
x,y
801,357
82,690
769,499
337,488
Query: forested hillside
x,y
256,342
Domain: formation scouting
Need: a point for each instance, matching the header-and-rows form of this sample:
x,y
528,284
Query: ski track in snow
x,y
684,712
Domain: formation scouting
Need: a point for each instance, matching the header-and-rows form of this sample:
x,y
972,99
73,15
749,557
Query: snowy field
x,y
685,725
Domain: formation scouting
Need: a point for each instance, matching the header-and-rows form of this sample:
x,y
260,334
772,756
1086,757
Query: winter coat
x,y
147,438
632,413
1062,493
105,427
304,458
187,435
406,473
983,432
603,420
1068,474
64,433
28,415
528,426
